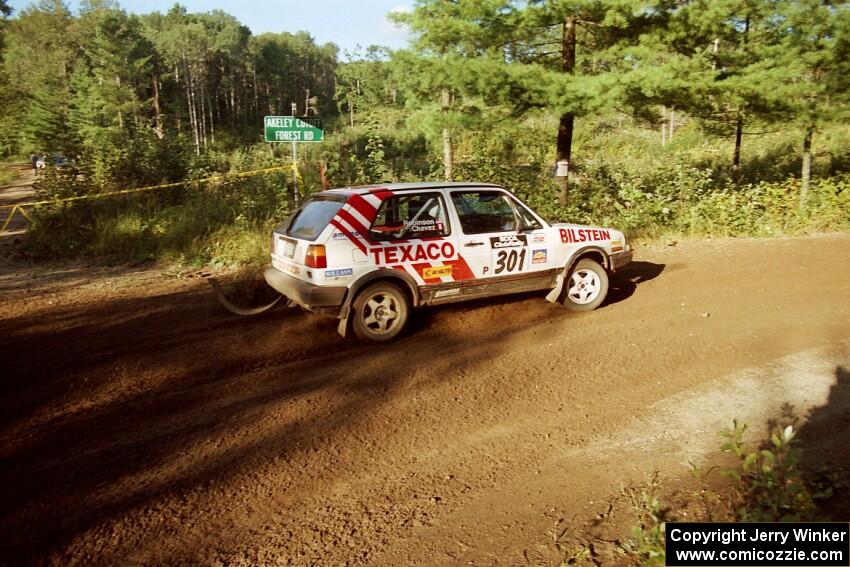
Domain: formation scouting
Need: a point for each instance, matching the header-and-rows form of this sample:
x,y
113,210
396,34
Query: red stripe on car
x,y
337,225
352,222
363,207
460,269
382,193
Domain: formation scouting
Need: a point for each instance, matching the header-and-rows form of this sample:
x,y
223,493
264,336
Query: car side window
x,y
484,211
526,219
416,215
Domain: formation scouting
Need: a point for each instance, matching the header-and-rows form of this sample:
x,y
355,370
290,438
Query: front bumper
x,y
305,294
620,260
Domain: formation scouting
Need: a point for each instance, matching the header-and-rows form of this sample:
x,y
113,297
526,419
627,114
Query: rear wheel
x,y
586,287
380,312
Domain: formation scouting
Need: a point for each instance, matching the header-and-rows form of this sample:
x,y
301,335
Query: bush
x,y
624,178
7,175
210,223
765,484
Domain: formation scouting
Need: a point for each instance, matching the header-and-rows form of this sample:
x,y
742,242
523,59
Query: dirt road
x,y
18,191
142,424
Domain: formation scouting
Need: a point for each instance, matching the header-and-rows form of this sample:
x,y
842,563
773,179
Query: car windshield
x,y
312,218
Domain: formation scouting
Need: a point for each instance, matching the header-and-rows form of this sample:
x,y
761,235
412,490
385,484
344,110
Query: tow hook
x,y
245,311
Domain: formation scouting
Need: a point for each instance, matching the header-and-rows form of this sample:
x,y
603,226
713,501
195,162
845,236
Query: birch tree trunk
x,y
158,128
203,108
739,124
190,99
448,157
806,173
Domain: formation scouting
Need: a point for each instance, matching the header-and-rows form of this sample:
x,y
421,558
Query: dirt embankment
x,y
142,424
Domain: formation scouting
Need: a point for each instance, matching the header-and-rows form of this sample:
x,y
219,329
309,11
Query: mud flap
x,y
342,327
245,311
552,296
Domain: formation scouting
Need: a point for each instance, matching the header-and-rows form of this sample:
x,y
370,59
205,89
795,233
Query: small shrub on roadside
x,y
765,484
6,176
645,546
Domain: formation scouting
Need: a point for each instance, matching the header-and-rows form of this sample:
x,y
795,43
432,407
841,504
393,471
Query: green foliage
x,y
364,83
227,222
679,199
162,97
767,483
374,168
646,546
6,176
728,63
90,84
39,54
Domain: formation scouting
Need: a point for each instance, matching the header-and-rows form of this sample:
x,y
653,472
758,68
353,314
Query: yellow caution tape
x,y
297,173
12,214
225,177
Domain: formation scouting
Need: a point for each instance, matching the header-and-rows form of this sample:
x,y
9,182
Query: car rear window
x,y
312,218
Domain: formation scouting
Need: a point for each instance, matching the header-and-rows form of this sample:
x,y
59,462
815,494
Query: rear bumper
x,y
620,260
304,293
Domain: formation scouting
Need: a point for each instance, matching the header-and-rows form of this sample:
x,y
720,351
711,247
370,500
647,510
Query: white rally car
x,y
368,255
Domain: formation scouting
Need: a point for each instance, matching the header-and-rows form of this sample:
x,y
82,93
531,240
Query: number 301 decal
x,y
508,261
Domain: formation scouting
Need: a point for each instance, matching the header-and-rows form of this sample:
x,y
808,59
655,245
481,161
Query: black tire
x,y
380,312
586,287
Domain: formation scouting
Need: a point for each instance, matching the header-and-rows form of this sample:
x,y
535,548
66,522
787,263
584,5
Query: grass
x,y
227,224
7,176
764,484
625,179
759,482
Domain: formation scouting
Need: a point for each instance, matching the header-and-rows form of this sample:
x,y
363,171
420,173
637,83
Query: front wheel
x,y
587,286
380,312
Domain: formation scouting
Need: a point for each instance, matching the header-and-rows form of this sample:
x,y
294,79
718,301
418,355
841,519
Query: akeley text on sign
x,y
292,129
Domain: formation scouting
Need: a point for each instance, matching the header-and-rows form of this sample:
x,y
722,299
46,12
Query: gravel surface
x,y
143,424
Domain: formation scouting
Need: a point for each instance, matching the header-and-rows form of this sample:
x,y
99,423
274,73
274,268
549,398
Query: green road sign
x,y
293,129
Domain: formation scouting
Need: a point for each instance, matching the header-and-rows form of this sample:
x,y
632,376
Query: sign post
x,y
293,129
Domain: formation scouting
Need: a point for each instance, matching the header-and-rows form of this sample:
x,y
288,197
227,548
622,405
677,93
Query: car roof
x,y
365,189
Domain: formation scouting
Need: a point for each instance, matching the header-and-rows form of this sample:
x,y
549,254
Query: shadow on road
x,y
110,409
623,284
825,442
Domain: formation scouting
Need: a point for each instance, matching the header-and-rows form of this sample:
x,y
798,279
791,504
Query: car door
x,y
500,243
411,232
487,237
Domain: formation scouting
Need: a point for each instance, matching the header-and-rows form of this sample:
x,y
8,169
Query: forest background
x,y
685,118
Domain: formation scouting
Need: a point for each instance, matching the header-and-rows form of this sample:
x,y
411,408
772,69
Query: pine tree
x,y
564,56
809,69
8,104
40,54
